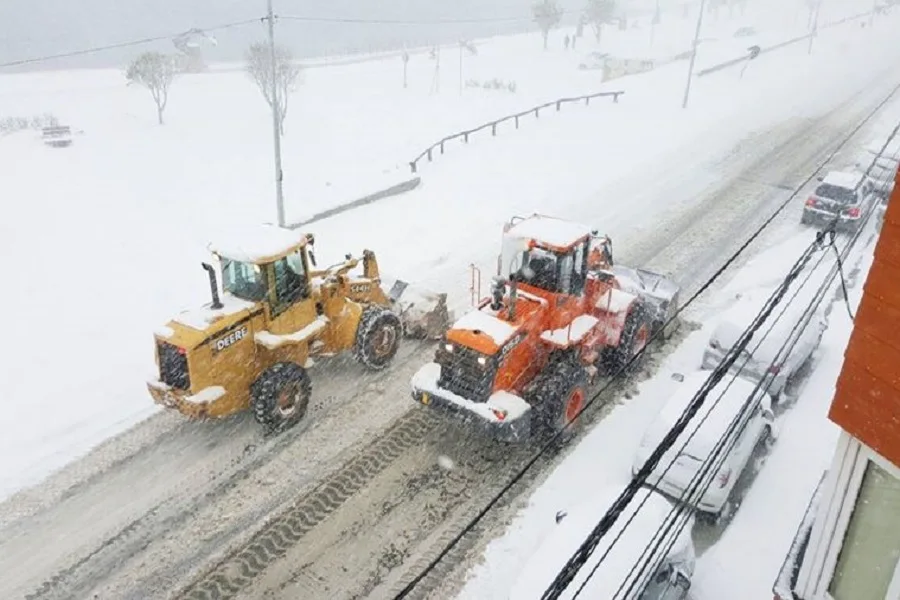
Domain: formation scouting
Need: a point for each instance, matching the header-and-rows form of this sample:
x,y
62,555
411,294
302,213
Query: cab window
x,y
290,280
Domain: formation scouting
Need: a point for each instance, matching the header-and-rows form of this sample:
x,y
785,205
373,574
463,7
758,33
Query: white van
x,y
690,453
668,571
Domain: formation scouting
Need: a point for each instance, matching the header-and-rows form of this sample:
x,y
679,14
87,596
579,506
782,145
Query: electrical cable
x,y
735,375
802,323
374,21
137,42
640,478
683,504
550,443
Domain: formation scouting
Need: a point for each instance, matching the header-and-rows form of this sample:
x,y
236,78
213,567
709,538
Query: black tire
x,y
636,328
280,396
377,337
668,331
559,396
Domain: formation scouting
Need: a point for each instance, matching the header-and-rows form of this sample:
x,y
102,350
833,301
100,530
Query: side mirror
x,y
768,415
681,579
819,178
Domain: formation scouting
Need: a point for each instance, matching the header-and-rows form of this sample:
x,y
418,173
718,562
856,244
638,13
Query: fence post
x,y
494,128
466,137
587,100
412,166
442,146
616,98
558,104
429,153
517,121
537,112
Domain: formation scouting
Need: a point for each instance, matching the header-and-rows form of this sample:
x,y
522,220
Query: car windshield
x,y
836,193
243,280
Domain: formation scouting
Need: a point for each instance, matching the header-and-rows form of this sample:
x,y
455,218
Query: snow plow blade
x,y
423,314
660,293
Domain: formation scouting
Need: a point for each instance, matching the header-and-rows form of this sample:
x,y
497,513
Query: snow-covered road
x,y
152,508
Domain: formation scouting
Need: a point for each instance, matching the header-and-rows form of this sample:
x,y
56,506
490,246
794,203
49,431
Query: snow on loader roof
x,y
258,243
551,231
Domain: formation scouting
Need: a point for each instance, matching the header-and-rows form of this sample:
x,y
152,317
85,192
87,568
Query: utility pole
x,y
276,119
690,74
462,45
815,27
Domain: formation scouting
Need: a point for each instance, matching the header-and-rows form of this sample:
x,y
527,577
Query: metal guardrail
x,y
536,110
742,59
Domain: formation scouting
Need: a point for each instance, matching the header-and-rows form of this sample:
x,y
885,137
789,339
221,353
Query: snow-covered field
x,y
111,230
744,562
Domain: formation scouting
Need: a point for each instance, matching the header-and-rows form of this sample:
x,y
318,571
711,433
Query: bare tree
x,y
156,72
547,15
599,12
287,73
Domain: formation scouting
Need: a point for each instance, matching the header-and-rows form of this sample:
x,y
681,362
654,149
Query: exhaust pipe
x,y
213,287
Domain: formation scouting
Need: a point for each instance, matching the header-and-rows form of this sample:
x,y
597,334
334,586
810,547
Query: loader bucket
x,y
424,314
660,293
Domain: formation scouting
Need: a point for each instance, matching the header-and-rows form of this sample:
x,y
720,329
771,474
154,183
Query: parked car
x,y
698,442
594,60
670,580
767,358
845,195
881,162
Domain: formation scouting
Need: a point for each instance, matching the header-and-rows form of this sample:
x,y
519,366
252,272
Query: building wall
x,y
867,396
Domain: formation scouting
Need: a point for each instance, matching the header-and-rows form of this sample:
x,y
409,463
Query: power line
x,y
801,323
696,482
554,439
374,21
130,43
690,491
580,557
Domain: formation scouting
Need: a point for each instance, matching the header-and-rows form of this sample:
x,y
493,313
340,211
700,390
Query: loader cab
x,y
275,273
547,253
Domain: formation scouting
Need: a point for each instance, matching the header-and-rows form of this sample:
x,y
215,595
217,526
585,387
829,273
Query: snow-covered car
x,y
881,162
593,61
766,358
697,444
663,573
844,195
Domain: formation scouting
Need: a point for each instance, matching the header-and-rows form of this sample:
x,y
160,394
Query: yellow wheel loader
x,y
251,346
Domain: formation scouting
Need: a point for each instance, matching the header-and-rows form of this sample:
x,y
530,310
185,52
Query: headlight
x,y
482,361
448,347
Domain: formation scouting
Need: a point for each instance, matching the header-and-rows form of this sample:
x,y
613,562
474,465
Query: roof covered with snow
x,y
258,243
549,230
734,392
768,342
843,179
566,538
